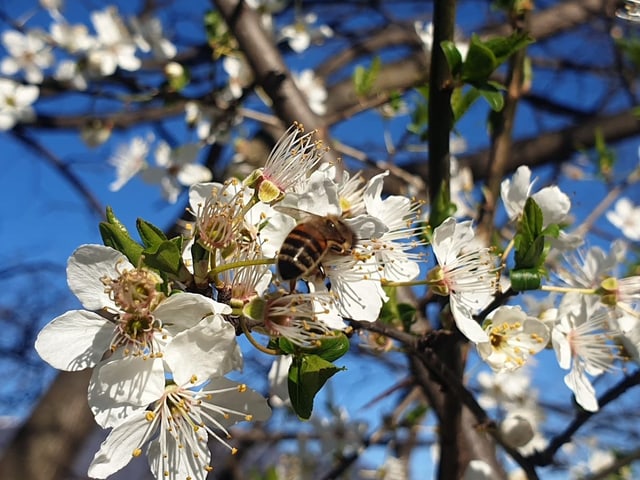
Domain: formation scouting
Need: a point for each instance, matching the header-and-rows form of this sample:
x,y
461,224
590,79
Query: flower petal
x,y
119,447
132,380
208,349
184,310
75,340
85,269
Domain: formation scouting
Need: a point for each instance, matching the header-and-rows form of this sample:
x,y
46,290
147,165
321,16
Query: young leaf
x,y
307,375
453,56
165,257
115,235
150,235
479,64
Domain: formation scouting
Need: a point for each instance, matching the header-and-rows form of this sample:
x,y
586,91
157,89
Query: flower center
x,y
134,290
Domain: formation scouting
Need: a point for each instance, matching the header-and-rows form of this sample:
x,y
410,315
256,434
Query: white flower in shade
x,y
114,47
582,342
129,160
516,430
303,32
288,166
16,103
278,377
176,169
424,30
176,427
137,325
73,73
461,188
513,337
552,201
469,277
503,388
313,90
28,53
240,74
302,318
478,470
148,36
626,216
73,38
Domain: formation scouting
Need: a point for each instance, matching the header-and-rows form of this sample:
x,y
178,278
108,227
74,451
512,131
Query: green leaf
x,y
150,235
525,279
364,78
166,257
442,207
332,348
307,375
461,102
492,95
453,56
504,47
115,237
479,64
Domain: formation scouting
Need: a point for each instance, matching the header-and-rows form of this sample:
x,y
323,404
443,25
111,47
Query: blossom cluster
x,y
293,253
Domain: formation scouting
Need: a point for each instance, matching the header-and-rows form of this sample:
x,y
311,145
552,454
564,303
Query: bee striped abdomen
x,y
301,253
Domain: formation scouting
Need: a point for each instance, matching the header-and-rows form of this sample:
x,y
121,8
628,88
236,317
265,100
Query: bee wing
x,y
296,213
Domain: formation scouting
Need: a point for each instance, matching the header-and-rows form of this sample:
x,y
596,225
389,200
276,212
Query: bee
x,y
310,242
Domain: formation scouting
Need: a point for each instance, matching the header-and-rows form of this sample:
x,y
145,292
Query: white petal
x,y
580,385
184,310
249,401
208,349
180,460
193,173
117,450
75,340
562,348
278,381
106,413
554,204
465,322
87,265
132,380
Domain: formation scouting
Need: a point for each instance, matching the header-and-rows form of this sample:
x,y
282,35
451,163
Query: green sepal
x,y
307,375
150,235
200,259
525,279
397,313
115,235
453,56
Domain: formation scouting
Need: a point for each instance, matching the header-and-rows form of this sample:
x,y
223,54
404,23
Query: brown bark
x,y
45,446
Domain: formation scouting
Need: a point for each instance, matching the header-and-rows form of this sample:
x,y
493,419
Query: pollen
x,y
193,379
137,452
242,388
150,416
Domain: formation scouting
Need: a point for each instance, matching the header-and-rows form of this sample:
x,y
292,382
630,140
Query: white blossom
x,y
513,337
553,203
114,47
313,90
176,168
626,217
469,277
16,103
129,160
28,53
148,36
176,426
302,33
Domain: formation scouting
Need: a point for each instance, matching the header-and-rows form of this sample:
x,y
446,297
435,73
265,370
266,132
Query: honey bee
x,y
309,242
